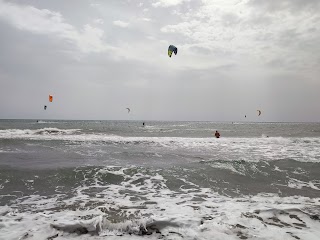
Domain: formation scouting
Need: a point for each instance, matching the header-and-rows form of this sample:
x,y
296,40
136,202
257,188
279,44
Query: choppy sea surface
x,y
165,180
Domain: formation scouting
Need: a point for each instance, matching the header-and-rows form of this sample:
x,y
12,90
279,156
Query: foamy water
x,y
142,203
119,180
247,149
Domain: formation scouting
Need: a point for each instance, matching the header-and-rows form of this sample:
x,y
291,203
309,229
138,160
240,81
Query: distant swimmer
x,y
143,124
217,134
45,107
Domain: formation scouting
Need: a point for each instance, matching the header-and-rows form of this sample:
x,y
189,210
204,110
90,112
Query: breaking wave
x,y
305,149
132,202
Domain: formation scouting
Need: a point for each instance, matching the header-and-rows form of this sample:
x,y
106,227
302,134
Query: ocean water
x,y
165,180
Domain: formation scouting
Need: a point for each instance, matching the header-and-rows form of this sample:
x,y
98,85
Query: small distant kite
x,y
172,49
50,100
259,112
128,109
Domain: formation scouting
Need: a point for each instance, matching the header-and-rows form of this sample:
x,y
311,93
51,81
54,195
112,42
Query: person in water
x,y
217,134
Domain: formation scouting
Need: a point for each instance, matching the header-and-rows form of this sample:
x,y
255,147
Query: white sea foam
x,y
229,149
41,121
298,184
143,203
32,133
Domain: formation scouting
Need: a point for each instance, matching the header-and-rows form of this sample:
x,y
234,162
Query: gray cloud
x,y
230,19
295,6
46,22
232,59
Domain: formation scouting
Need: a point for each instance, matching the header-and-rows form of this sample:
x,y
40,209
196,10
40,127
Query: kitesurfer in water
x,y
217,134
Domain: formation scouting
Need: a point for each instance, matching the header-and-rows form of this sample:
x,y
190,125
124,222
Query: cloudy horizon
x,y
99,57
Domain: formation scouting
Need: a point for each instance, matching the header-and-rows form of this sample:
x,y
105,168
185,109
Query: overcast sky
x,y
99,57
